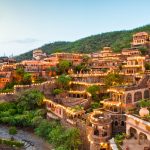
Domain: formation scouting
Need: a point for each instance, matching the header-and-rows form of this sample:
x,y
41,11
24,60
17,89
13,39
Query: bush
x,y
43,129
63,81
61,138
119,138
30,100
12,143
36,121
57,91
144,103
95,105
7,106
40,112
12,130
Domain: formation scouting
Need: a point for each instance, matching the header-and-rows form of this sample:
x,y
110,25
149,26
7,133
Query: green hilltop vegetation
x,y
116,39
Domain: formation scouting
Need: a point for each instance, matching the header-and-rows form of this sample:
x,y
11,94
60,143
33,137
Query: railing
x,y
25,86
88,74
85,83
98,139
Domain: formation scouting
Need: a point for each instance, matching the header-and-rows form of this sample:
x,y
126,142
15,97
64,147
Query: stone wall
x,y
4,97
84,134
45,87
118,124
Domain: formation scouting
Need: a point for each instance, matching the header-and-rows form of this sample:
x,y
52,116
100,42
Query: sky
x,y
29,24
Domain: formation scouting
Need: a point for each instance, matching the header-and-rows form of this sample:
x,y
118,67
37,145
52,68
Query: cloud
x,y
22,41
25,41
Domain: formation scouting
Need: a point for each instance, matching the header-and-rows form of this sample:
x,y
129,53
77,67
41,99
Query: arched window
x,y
146,94
96,132
137,96
122,123
116,123
129,98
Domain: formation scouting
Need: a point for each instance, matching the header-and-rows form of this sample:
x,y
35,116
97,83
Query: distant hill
x,y
116,39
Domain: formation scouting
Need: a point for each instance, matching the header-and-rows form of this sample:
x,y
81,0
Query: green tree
x,y
44,128
55,136
20,71
53,68
85,59
22,77
144,103
27,79
61,147
63,81
94,91
36,121
64,66
81,67
95,105
30,100
72,138
113,79
57,91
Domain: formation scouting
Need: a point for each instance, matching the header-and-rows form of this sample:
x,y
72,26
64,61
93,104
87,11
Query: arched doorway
x,y
133,132
143,138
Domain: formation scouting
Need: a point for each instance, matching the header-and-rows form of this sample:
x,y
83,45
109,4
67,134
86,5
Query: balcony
x,y
98,139
98,117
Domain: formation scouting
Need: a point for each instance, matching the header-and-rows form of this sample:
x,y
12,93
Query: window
x,y
146,94
129,98
96,132
137,96
116,123
122,123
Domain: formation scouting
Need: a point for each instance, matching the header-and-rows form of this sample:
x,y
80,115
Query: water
x,y
31,141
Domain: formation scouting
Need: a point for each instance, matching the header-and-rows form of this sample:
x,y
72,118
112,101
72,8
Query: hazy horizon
x,y
26,25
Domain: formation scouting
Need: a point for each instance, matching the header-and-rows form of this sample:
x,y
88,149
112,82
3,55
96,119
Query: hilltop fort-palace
x,y
118,110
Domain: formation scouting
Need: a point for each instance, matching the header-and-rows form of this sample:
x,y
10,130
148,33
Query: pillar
x,y
128,129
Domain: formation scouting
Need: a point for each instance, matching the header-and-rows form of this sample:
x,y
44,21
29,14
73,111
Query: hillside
x,y
116,39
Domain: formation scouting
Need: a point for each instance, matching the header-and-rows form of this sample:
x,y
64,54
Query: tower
x,y
100,131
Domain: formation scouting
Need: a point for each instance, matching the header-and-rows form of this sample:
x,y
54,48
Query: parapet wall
x,y
4,97
44,87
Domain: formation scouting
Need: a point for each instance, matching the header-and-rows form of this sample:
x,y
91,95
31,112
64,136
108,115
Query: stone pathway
x,y
31,141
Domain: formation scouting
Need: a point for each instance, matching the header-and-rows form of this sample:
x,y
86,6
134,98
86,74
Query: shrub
x,y
36,121
12,143
119,138
12,130
40,112
57,91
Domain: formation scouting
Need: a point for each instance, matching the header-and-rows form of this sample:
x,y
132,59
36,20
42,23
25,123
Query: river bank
x,y
31,141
